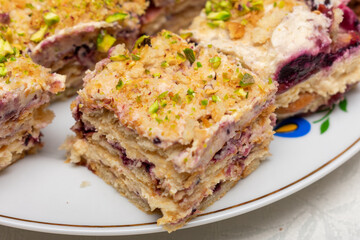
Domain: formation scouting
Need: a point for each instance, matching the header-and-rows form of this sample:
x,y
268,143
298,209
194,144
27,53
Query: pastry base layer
x,y
154,186
25,137
320,88
123,184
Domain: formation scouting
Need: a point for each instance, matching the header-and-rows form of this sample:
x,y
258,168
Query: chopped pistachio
x,y
51,18
176,98
5,48
186,35
190,92
247,80
215,98
281,4
244,22
29,5
204,102
270,80
142,41
215,62
158,120
39,35
208,7
105,42
154,107
257,5
216,24
240,92
190,55
3,71
119,85
135,57
116,17
164,64
167,34
163,103
222,15
119,58
138,99
163,95
198,64
181,57
157,75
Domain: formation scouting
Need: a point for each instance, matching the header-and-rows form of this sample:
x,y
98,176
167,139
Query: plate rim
x,y
216,215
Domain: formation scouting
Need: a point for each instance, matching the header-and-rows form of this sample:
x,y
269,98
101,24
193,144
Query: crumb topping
x,y
19,73
31,21
247,16
171,89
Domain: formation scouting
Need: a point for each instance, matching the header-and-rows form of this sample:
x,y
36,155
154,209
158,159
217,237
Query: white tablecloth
x,y
328,209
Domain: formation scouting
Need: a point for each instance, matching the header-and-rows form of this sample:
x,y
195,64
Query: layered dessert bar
x,y
172,126
70,36
25,90
310,49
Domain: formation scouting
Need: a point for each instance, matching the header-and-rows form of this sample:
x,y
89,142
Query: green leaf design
x,y
343,105
327,114
325,126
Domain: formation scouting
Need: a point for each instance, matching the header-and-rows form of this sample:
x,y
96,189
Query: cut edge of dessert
x,y
174,128
25,91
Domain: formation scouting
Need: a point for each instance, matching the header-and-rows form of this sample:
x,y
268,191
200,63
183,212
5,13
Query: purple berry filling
x,y
299,68
302,67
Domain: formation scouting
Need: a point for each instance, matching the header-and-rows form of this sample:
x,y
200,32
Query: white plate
x,y
43,193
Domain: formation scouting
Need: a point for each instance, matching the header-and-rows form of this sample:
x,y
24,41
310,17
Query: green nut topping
x,y
215,98
240,92
51,18
142,41
164,64
204,102
222,15
119,58
39,35
246,80
119,85
3,71
154,107
190,55
5,48
105,42
215,62
116,17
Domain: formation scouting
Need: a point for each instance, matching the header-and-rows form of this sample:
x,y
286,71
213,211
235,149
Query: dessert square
x,y
70,36
312,50
25,91
171,125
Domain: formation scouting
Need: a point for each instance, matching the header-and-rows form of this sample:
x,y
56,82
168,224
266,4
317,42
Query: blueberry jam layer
x,y
300,68
239,147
